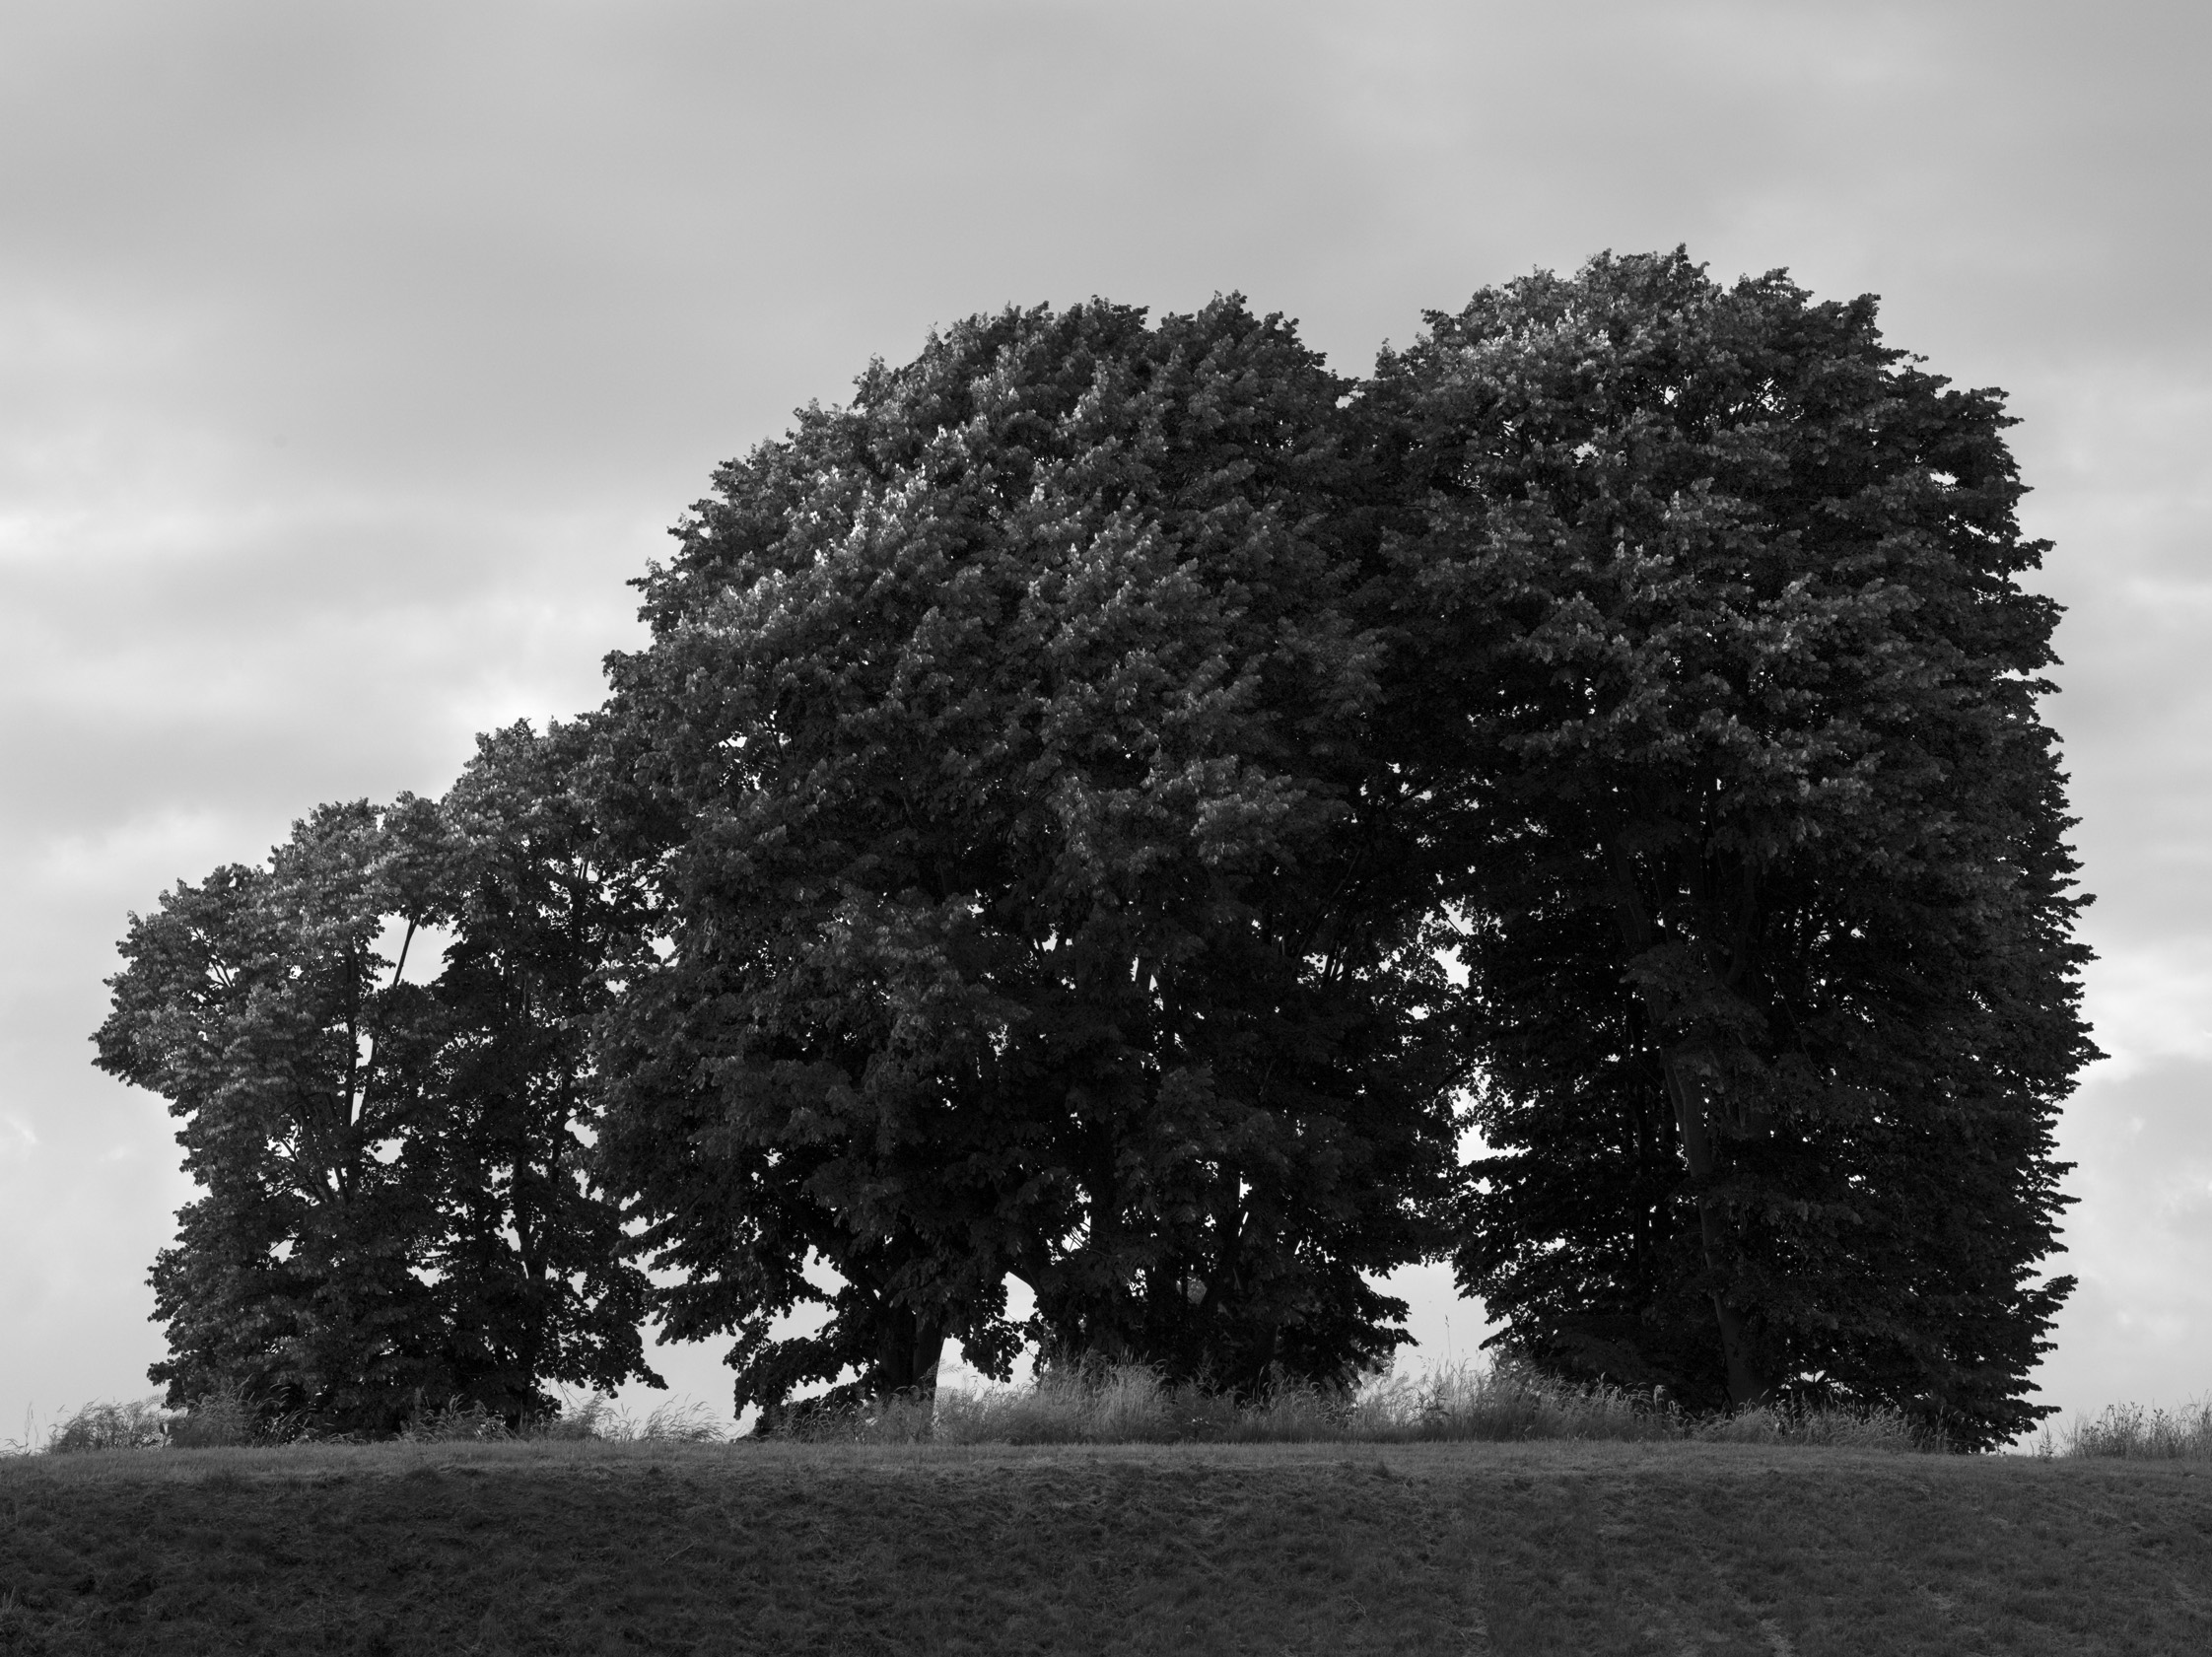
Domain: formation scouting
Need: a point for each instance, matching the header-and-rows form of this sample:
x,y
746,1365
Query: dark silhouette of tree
x,y
1031,843
394,1212
532,1261
1724,686
1034,905
258,1004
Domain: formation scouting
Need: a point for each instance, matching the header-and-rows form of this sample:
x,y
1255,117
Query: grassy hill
x,y
556,1548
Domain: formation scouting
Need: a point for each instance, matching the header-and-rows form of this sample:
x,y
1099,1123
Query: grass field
x,y
1542,1548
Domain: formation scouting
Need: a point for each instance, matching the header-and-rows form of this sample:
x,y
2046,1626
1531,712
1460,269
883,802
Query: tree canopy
x,y
1724,662
1108,808
395,1209
1036,905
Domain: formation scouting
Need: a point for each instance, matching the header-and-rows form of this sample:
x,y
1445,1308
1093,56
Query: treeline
x,y
1112,805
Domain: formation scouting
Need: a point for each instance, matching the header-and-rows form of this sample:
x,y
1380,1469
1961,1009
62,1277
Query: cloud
x,y
2140,1324
2149,1004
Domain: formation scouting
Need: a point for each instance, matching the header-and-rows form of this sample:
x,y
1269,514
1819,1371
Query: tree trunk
x,y
1693,1106
908,1355
1692,1119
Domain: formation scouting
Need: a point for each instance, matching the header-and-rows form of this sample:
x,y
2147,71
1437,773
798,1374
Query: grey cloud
x,y
2140,1327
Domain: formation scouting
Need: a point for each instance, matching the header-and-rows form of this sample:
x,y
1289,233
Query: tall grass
x,y
1130,1403
591,1417
2132,1432
137,1425
226,1421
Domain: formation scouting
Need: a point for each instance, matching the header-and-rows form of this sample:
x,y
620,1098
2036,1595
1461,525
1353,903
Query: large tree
x,y
533,1261
1724,683
394,1210
1033,903
260,1006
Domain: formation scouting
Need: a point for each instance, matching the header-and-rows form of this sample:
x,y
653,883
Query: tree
x,y
258,1004
1724,684
532,1259
1032,903
394,1214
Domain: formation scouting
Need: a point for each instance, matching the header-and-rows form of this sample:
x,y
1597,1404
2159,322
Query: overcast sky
x,y
352,357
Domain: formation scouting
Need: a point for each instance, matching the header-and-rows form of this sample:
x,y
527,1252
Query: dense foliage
x,y
1036,903
1724,659
396,1213
1095,810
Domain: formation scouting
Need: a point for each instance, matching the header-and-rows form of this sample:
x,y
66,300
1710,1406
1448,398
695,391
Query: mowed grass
x,y
1594,1547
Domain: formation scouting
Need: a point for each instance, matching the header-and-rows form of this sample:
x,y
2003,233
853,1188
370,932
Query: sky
x,y
354,355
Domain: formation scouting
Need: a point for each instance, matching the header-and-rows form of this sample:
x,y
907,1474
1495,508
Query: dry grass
x,y
1119,1403
1128,1403
228,1420
587,1417
104,1425
2130,1433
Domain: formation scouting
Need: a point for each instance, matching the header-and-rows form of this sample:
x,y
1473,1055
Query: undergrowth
x,y
2130,1433
228,1420
1130,1403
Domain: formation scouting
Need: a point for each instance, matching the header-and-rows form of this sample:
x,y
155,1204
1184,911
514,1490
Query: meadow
x,y
1483,1511
555,1546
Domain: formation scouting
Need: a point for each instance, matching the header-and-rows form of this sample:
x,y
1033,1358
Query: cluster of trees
x,y
398,1201
1113,806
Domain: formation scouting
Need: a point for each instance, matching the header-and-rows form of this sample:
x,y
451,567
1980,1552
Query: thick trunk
x,y
908,1354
